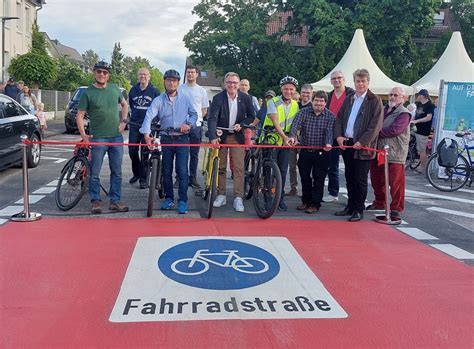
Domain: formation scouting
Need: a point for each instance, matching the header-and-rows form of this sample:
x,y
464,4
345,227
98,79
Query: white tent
x,y
453,65
356,57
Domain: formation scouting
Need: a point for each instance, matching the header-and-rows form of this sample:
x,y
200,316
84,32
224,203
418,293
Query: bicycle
x,y
210,172
413,158
449,179
247,265
74,178
262,181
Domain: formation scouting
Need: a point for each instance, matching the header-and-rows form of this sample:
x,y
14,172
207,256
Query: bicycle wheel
x,y
211,196
448,178
155,168
267,189
249,171
72,183
414,159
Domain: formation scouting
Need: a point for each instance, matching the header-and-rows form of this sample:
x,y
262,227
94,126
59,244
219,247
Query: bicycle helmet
x,y
102,65
270,93
289,80
172,74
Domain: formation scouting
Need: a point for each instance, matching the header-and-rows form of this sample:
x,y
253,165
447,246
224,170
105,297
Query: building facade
x,y
17,32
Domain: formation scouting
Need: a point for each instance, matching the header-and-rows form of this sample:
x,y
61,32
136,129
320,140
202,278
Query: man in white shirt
x,y
198,96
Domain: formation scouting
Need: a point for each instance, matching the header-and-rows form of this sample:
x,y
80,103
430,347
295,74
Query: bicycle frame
x,y
200,255
210,154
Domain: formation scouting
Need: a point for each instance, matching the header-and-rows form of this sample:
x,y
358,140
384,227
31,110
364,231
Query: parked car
x,y
72,108
15,121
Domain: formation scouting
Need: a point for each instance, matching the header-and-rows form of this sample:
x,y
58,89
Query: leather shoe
x,y
134,179
345,212
356,216
143,185
302,207
311,210
373,207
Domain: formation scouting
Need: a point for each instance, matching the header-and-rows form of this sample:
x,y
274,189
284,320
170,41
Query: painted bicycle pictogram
x,y
199,263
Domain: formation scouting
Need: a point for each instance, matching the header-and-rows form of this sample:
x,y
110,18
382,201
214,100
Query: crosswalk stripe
x,y
456,213
437,196
453,251
417,234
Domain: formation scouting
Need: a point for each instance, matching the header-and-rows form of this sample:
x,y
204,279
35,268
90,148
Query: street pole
x,y
4,19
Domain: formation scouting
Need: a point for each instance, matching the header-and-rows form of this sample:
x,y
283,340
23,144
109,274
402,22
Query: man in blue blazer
x,y
230,109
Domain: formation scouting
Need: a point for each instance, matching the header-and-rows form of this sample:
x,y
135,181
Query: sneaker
x,y
168,204
194,183
182,207
292,192
219,201
118,207
330,198
239,205
96,207
282,206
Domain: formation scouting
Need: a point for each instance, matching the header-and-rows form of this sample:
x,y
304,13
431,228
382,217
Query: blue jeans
x,y
182,157
115,154
282,158
195,137
333,172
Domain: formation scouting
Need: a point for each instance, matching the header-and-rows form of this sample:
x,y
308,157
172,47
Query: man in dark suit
x,y
230,109
357,125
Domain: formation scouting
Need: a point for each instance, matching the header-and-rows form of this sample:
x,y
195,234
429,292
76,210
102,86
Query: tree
x,y
90,58
120,80
38,41
117,59
34,68
69,78
131,66
156,78
463,11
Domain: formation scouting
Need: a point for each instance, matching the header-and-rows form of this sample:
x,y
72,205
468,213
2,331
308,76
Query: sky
x,y
153,29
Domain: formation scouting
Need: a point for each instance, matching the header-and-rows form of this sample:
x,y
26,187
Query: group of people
x,y
345,121
23,95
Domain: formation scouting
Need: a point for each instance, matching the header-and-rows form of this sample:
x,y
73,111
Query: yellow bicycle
x,y
210,169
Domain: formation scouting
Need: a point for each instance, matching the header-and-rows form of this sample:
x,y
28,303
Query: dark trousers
x,y
282,158
357,172
138,167
396,180
195,137
333,172
313,166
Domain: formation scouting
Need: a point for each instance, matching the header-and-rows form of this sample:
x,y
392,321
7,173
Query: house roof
x,y
356,57
58,50
279,21
453,65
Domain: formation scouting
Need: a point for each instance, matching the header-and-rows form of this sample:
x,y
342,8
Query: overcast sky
x,y
148,28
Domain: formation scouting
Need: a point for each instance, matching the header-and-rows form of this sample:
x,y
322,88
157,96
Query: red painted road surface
x,y
60,279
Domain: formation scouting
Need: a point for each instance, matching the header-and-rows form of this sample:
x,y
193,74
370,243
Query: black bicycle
x,y
262,181
74,178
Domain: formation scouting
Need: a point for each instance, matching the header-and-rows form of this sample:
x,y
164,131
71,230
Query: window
x,y
28,19
18,14
9,107
439,18
204,73
6,11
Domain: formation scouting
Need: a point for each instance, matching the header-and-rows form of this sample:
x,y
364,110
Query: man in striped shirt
x,y
315,126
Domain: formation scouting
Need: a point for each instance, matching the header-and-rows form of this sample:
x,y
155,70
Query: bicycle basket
x,y
447,151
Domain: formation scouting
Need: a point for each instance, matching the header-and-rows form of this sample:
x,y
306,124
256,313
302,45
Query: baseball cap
x,y
11,79
424,93
270,93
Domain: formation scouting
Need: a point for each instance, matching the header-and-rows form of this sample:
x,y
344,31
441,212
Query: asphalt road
x,y
443,220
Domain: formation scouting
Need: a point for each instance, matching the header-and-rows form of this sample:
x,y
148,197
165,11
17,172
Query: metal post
x,y
386,219
26,215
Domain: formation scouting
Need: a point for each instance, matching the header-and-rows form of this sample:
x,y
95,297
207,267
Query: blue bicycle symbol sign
x,y
250,265
218,264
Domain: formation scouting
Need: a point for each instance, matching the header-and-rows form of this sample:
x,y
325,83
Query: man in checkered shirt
x,y
315,128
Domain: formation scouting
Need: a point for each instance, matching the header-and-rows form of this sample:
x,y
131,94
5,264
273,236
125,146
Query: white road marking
x,y
55,150
453,251
456,213
52,183
10,210
33,199
437,196
470,191
45,190
3,221
58,160
417,234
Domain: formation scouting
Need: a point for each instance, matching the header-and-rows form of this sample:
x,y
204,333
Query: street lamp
x,y
4,19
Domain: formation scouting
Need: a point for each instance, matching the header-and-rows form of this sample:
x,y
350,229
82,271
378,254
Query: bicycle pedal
x,y
198,192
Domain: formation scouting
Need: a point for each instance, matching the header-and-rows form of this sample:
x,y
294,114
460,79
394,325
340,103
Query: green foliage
x,y
131,66
69,77
117,59
463,11
90,58
34,68
38,40
156,78
120,80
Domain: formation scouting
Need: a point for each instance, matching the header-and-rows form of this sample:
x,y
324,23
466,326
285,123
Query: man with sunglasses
x,y
395,133
100,102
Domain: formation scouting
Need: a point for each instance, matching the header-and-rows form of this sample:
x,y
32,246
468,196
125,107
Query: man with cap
x,y
11,90
423,118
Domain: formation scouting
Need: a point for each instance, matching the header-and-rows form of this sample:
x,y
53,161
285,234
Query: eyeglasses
x,y
103,72
232,82
337,78
393,94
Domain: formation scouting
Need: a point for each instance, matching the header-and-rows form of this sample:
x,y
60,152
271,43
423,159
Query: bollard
x,y
26,215
386,219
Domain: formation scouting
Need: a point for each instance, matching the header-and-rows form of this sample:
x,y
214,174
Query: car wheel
x,y
33,153
68,129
